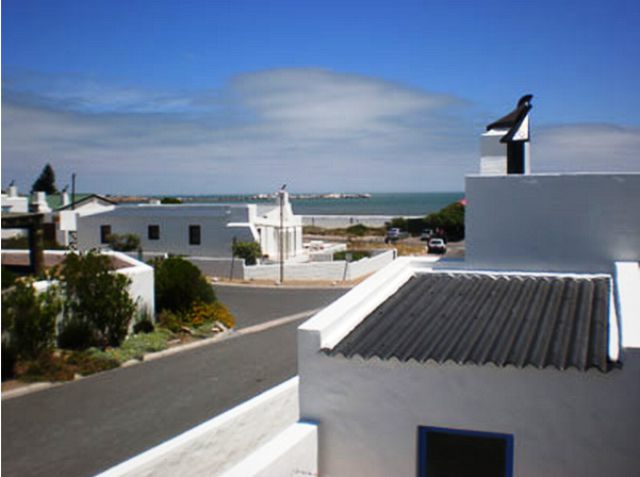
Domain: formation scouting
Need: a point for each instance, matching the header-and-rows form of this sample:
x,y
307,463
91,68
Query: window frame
x,y
156,234
105,232
423,432
192,234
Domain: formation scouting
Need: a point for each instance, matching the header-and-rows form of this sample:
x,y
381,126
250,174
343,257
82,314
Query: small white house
x,y
64,214
199,230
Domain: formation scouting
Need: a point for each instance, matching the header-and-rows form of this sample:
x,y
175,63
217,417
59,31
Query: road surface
x,y
86,426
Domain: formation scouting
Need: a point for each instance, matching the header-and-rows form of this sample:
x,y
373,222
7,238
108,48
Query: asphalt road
x,y
87,426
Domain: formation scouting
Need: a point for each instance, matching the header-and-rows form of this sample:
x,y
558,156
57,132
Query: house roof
x,y
519,320
80,199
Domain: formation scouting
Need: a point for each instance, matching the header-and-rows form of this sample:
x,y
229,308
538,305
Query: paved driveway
x,y
84,427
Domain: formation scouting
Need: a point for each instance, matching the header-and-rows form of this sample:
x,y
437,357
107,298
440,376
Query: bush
x,y
170,200
8,278
9,358
124,243
76,334
88,362
47,367
96,299
450,220
355,255
179,284
250,251
143,326
29,318
210,312
170,320
397,223
359,230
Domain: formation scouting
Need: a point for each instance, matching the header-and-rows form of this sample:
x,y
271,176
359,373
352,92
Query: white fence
x,y
338,270
221,443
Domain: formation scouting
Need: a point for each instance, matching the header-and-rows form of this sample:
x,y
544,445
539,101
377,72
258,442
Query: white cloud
x,y
314,129
586,148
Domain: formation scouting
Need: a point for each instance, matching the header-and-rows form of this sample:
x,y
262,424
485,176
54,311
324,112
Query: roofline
x,y
84,199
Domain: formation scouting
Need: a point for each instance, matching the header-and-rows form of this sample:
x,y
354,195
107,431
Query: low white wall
x,y
220,443
335,270
293,452
547,222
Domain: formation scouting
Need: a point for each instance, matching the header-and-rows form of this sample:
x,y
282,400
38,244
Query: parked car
x,y
426,235
437,245
395,234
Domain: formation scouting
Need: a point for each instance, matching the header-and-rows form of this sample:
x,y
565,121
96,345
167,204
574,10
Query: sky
x,y
223,97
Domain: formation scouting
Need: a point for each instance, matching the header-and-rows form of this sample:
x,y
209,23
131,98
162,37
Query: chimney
x,y
504,147
65,198
39,202
13,191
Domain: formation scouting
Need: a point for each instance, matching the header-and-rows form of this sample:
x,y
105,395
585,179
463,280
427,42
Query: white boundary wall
x,y
335,271
141,288
292,452
220,443
552,222
563,422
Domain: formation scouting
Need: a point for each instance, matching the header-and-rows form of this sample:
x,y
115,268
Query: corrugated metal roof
x,y
521,320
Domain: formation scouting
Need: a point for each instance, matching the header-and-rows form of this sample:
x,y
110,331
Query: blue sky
x,y
238,96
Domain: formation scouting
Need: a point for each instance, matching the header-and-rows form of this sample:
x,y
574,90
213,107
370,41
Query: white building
x,y
523,360
13,203
199,230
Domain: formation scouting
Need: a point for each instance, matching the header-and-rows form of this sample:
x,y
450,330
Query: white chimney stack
x,y
13,191
504,147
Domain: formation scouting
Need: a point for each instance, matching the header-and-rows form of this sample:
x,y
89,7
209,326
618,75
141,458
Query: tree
x,y
250,251
97,306
46,182
179,284
170,200
29,318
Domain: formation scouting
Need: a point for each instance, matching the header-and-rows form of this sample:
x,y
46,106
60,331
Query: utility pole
x,y
281,197
73,191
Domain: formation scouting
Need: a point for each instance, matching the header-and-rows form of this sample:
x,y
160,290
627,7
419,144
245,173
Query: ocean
x,y
394,204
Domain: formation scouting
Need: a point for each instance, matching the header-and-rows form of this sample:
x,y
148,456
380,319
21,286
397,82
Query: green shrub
x,y
179,284
450,219
124,243
143,326
86,362
359,230
29,318
170,200
170,320
76,334
250,251
355,255
397,223
9,358
95,299
8,278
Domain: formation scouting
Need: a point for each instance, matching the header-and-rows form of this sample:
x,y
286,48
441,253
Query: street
x,y
86,426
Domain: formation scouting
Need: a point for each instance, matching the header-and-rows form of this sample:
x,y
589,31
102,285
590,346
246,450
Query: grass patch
x,y
136,346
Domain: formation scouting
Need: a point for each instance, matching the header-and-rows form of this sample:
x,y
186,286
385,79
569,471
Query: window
x,y
194,235
105,231
153,232
444,452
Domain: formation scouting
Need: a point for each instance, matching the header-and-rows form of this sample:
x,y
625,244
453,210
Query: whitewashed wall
x,y
216,233
546,222
293,452
565,423
335,271
220,443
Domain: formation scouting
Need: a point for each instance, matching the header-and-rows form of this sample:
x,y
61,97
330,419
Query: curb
x,y
224,336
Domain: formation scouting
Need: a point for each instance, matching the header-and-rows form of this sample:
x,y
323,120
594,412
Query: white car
x,y
437,245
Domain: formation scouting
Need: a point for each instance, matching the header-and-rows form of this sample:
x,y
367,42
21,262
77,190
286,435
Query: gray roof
x,y
519,320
